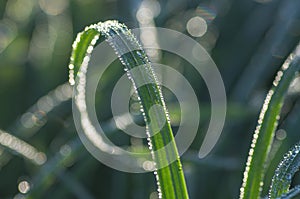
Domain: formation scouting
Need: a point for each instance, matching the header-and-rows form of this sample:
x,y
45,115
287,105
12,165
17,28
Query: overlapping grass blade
x,y
267,124
171,182
282,179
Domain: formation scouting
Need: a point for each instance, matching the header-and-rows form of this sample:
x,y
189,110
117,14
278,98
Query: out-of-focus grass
x,y
248,40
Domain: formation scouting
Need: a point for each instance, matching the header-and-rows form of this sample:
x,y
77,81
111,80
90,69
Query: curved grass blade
x,y
286,169
170,179
264,132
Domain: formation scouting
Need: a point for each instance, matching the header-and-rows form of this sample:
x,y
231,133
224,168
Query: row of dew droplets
x,y
254,140
291,162
264,109
285,171
87,55
80,100
122,41
111,29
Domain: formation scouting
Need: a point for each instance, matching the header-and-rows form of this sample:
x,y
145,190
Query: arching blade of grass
x,y
282,179
267,123
170,178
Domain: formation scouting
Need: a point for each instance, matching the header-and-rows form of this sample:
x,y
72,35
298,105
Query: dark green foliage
x,y
248,39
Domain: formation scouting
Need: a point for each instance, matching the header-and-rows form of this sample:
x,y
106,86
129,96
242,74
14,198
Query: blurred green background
x,y
248,40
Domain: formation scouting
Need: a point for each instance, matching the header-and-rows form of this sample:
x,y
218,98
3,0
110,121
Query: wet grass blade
x,y
267,124
282,179
170,178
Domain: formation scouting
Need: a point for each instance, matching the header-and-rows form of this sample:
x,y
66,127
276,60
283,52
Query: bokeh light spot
x,y
24,187
53,7
196,26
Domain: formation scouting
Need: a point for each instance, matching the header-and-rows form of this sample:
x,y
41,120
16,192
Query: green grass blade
x,y
170,178
286,169
267,123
